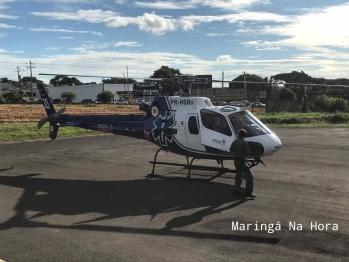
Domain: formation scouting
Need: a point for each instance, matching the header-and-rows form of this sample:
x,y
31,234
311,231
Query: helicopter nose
x,y
276,142
271,144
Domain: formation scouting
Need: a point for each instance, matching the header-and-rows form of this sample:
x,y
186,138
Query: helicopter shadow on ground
x,y
116,199
6,169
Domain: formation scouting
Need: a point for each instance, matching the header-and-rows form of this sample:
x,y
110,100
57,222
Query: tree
x,y
12,96
105,97
165,72
59,80
249,78
68,96
121,80
29,79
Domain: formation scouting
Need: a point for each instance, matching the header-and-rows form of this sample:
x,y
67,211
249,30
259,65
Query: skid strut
x,y
219,170
154,162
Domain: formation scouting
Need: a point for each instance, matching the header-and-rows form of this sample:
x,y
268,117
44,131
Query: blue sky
x,y
101,37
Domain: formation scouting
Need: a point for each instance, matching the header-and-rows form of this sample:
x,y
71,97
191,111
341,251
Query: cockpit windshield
x,y
246,120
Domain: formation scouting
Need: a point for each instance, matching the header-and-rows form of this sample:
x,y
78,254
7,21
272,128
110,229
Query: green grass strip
x,y
29,131
306,119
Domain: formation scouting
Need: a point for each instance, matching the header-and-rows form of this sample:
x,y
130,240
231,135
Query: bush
x,y
287,94
338,105
327,104
105,97
2,100
12,96
68,96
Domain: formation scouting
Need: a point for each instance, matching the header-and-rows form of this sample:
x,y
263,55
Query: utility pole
x,y
244,80
19,79
31,78
128,90
222,79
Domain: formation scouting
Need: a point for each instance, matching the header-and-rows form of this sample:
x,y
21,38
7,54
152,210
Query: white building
x,y
88,91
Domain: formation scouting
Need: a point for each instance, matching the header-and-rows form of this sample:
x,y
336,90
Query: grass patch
x,y
29,131
307,119
90,105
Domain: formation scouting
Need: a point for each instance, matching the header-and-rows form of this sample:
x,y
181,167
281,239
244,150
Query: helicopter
x,y
189,126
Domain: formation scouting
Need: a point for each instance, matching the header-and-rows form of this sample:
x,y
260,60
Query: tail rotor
x,y
50,118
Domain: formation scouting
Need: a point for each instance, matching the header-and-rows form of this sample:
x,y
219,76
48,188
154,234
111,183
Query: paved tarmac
x,y
87,199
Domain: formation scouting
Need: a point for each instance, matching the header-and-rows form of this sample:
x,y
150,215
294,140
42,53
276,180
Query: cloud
x,y
57,30
147,22
188,22
191,4
91,16
230,4
165,5
52,48
72,1
2,16
128,44
224,58
214,34
155,24
88,47
10,52
3,3
158,25
263,45
6,26
317,27
91,46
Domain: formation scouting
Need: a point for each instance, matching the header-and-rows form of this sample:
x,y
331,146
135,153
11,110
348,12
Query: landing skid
x,y
220,170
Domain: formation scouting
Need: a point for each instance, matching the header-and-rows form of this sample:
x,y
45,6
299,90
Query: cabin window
x,y
245,120
215,122
193,125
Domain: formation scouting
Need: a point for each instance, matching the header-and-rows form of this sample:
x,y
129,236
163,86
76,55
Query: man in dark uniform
x,y
242,150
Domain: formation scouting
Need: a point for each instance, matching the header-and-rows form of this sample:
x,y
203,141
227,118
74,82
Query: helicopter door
x,y
215,130
192,132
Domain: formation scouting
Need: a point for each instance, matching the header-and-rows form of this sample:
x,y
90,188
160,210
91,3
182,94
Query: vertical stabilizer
x,y
50,110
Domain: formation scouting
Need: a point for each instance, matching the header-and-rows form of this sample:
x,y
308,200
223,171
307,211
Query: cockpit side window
x,y
244,120
215,122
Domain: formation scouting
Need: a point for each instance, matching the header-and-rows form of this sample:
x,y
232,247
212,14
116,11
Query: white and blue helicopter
x,y
189,126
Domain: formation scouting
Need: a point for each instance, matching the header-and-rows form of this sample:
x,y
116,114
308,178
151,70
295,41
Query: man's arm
x,y
247,149
231,149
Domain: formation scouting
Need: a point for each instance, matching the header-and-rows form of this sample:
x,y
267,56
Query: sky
x,y
223,38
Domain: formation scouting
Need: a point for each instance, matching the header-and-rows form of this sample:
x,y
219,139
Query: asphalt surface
x,y
88,199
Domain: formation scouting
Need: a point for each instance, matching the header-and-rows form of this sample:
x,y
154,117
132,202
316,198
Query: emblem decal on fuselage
x,y
163,124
